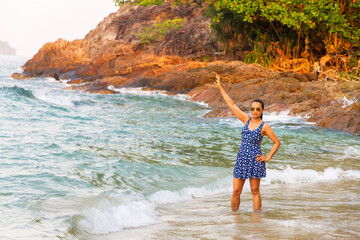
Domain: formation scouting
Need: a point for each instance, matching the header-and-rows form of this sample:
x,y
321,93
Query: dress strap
x,y
247,123
261,125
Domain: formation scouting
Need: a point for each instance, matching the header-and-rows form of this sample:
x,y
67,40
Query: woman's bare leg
x,y
255,190
237,189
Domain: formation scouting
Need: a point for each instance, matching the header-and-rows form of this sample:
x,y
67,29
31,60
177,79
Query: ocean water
x,y
144,165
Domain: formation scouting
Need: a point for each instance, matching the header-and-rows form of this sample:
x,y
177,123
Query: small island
x,y
6,49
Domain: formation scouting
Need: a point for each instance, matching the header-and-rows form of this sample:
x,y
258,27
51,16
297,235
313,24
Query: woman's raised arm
x,y
242,116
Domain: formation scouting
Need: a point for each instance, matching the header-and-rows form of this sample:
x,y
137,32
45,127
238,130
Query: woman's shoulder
x,y
265,126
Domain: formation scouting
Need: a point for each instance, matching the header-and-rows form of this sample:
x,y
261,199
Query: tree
x,y
296,28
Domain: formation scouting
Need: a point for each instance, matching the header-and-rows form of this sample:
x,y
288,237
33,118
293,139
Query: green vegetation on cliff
x,y
284,34
158,2
141,2
286,29
157,32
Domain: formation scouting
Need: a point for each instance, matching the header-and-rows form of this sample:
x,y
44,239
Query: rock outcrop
x,y
115,47
6,49
185,60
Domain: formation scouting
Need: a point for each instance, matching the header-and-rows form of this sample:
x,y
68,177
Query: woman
x,y
250,162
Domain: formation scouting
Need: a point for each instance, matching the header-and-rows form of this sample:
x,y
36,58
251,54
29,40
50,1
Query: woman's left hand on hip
x,y
261,158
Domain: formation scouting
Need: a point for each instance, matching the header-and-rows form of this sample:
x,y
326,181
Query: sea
x,y
146,165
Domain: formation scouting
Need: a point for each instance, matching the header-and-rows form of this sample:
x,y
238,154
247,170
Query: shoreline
x,y
206,95
186,97
185,61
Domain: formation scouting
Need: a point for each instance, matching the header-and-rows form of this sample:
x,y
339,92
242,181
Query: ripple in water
x,y
140,165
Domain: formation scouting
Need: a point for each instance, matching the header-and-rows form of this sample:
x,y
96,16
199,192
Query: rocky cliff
x,y
136,47
6,49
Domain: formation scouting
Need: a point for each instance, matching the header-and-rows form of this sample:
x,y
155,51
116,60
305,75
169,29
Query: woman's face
x,y
256,110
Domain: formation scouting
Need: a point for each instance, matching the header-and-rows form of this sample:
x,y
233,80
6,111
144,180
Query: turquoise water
x,y
144,165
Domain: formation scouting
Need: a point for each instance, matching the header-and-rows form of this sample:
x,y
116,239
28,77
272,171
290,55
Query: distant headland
x,y
6,49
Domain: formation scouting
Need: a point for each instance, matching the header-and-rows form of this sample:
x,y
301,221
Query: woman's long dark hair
x,y
262,105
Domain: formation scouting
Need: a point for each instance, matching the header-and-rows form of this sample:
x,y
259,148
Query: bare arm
x,y
270,133
235,109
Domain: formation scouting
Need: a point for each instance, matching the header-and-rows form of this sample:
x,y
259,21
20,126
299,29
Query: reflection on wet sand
x,y
256,216
248,222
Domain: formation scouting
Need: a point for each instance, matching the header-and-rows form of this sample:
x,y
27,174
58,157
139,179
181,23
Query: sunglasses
x,y
257,109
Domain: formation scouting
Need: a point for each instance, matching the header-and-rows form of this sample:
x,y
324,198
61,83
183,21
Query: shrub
x,y
157,32
140,2
312,28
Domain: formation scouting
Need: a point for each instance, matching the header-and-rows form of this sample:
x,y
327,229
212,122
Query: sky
x,y
28,24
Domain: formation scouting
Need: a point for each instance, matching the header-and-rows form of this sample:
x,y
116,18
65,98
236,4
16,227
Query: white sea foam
x,y
232,122
282,117
271,118
289,175
136,91
165,197
50,79
349,152
107,217
140,92
54,98
298,224
286,175
347,102
62,81
185,97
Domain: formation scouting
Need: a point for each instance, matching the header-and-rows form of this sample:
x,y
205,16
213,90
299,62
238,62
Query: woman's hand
x,y
218,82
235,109
262,158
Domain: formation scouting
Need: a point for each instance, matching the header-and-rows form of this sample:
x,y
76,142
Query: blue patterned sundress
x,y
246,165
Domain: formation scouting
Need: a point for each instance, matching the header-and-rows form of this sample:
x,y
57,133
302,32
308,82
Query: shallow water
x,y
144,165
